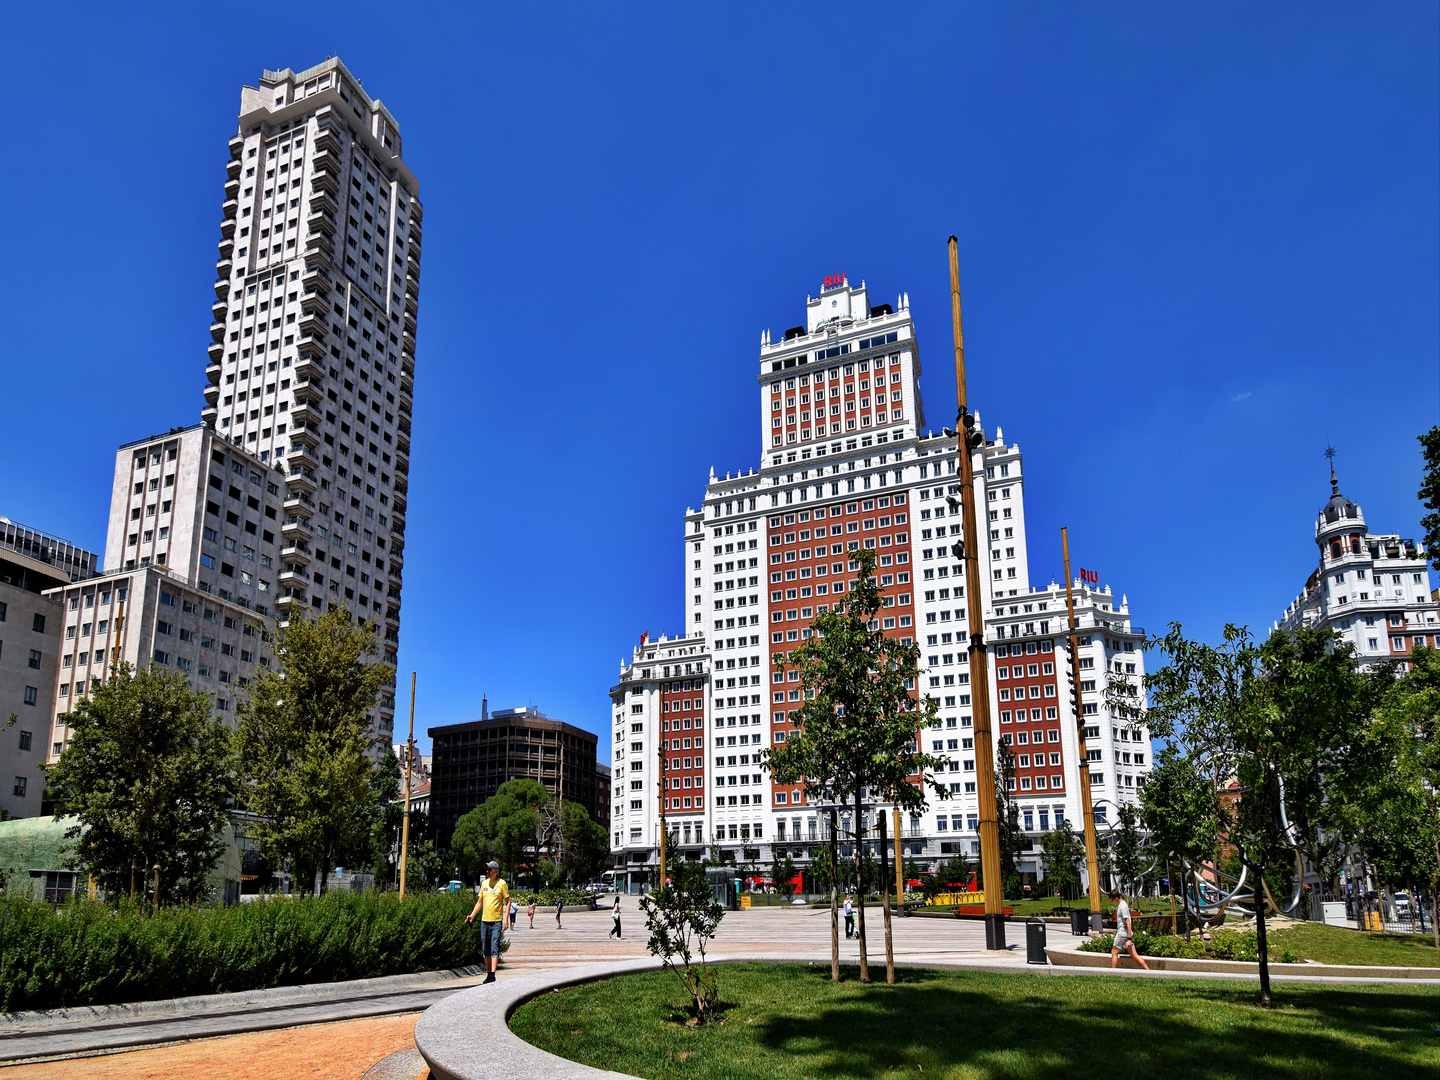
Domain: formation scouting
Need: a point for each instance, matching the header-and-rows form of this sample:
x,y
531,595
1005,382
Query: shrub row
x,y
1224,945
85,952
546,897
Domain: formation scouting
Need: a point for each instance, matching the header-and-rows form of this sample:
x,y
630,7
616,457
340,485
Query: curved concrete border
x,y
467,1035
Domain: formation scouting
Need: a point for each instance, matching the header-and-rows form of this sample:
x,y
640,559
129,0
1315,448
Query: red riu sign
x,y
1090,576
834,281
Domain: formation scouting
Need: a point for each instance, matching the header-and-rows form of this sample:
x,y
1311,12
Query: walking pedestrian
x,y
1124,933
491,906
532,911
514,910
849,918
615,930
559,907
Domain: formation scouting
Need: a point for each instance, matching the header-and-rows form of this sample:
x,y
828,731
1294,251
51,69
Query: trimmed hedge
x,y
1224,945
545,898
84,952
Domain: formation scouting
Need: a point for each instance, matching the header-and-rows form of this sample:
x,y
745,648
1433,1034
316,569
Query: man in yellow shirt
x,y
493,901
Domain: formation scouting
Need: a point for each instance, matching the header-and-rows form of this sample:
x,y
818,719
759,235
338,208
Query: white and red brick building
x,y
846,464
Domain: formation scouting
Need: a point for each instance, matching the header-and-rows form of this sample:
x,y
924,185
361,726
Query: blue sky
x,y
1196,245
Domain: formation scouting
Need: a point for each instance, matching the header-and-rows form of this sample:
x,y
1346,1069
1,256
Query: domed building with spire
x,y
1373,589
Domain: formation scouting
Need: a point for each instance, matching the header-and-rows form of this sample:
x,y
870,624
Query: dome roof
x,y
1339,507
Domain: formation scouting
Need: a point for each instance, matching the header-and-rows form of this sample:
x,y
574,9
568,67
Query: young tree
x,y
1062,851
1007,813
305,742
954,873
148,773
1180,806
1258,716
1129,847
784,873
682,916
379,817
1403,814
858,722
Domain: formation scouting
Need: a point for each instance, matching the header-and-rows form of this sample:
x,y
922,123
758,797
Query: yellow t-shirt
x,y
496,898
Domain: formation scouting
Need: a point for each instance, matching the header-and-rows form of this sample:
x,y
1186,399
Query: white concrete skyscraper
x,y
313,359
291,493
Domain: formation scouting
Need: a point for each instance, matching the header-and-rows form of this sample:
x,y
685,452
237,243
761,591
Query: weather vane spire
x,y
1334,484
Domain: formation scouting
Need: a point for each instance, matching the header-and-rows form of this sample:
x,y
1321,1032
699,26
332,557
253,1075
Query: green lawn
x,y
790,1022
1337,945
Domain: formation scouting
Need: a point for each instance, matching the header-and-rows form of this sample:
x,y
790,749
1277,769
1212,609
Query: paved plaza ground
x,y
381,1047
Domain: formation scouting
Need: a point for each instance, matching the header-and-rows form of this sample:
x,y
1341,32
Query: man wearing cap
x,y
491,906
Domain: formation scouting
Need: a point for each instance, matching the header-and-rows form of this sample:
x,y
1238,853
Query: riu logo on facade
x,y
834,281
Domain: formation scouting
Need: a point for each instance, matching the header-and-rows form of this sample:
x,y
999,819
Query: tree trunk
x,y
860,891
1170,874
834,902
1260,944
885,900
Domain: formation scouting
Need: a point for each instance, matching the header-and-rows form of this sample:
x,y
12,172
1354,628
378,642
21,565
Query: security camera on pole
x,y
971,439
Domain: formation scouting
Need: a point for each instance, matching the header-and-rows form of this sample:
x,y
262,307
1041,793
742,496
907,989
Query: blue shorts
x,y
490,938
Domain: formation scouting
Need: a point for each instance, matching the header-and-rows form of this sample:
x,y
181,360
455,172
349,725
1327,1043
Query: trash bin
x,y
1035,941
1079,922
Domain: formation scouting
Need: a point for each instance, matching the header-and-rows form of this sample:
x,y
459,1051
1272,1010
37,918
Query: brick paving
x,y
340,1051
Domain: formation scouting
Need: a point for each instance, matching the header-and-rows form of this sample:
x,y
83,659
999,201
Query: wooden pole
x,y
899,872
1092,859
885,898
409,761
969,551
834,900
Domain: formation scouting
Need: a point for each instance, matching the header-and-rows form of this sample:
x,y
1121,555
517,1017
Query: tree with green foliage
x,y
682,916
147,772
502,828
424,866
1180,807
1062,851
858,723
1012,838
954,873
379,818
784,873
1268,717
1402,817
1128,846
306,745
1429,493
586,843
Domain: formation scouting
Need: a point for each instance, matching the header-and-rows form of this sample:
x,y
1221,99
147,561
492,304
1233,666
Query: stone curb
x,y
467,1036
79,1018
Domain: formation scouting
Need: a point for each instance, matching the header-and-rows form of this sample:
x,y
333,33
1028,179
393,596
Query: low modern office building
x,y
470,761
